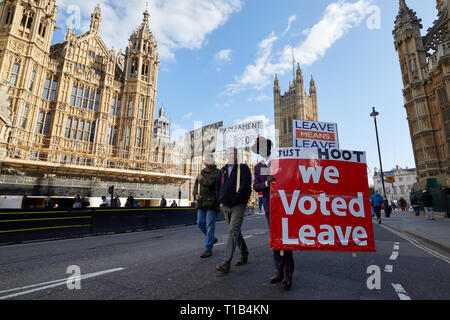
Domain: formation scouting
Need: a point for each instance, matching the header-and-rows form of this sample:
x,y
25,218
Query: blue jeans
x,y
260,203
206,221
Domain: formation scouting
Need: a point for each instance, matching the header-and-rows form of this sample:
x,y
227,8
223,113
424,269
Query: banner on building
x,y
320,201
201,141
310,134
241,136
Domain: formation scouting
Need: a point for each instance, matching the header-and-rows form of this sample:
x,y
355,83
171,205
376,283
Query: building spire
x,y
406,15
96,19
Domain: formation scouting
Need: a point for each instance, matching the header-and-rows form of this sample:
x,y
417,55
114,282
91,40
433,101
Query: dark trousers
x,y
377,211
284,264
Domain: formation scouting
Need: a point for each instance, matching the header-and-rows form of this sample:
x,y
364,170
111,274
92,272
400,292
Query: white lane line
x,y
396,247
388,268
394,255
246,237
417,244
400,291
52,284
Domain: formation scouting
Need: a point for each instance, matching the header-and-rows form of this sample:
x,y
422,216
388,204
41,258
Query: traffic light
x,y
111,190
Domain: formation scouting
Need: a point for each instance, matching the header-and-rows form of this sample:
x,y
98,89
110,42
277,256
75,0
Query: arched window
x,y
134,66
9,15
15,73
27,19
42,28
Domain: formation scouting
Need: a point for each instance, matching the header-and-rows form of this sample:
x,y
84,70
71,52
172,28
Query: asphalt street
x,y
166,265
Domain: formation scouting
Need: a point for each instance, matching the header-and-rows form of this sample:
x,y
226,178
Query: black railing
x,y
23,225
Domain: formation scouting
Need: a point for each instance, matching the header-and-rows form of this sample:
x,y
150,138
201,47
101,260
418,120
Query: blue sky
x,y
218,60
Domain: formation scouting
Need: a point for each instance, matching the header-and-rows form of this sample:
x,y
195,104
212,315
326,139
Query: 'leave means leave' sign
x,y
309,134
320,201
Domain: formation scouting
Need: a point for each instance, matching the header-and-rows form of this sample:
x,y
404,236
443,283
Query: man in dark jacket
x,y
207,204
284,263
233,190
427,201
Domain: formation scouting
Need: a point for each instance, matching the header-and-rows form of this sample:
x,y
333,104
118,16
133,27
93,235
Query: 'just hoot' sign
x,y
320,201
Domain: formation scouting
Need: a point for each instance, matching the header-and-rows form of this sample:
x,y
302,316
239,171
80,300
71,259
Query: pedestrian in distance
x,y
427,201
78,202
85,203
115,203
376,201
208,206
284,261
174,204
415,203
105,203
260,201
130,202
163,202
49,204
233,190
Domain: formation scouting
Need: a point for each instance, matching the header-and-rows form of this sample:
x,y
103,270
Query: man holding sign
x,y
320,201
284,263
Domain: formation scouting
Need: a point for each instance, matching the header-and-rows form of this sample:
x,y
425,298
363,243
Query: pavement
x,y
435,232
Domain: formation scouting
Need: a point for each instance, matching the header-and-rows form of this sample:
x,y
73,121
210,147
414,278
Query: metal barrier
x,y
20,225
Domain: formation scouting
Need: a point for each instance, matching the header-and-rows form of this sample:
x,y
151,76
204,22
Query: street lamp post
x,y
374,114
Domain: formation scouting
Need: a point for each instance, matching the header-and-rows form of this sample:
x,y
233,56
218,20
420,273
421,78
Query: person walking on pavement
x,y
233,191
115,203
284,262
427,201
415,203
163,202
376,200
207,204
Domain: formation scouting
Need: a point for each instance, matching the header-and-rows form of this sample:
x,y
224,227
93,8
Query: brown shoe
x,y
287,282
206,254
276,278
241,261
223,267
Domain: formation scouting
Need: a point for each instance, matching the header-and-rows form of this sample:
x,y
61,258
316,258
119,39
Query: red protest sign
x,y
320,201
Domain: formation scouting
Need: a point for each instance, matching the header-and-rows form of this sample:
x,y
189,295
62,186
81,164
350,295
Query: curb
x,y
432,242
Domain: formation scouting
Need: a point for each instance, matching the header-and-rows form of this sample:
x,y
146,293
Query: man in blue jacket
x,y
233,188
376,200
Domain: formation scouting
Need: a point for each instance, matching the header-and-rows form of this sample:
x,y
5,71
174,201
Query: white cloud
x,y
175,24
338,18
259,98
290,21
223,56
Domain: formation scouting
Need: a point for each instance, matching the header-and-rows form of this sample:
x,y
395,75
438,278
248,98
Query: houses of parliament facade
x,y
81,116
425,68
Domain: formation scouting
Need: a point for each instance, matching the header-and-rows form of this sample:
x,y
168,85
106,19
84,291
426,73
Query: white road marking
x,y
246,237
417,244
400,292
394,255
388,268
396,247
52,284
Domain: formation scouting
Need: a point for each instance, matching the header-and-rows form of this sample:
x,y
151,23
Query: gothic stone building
x,y
82,114
294,104
425,68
